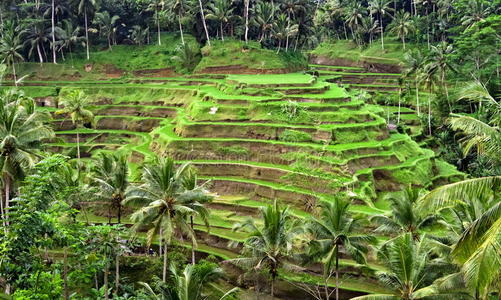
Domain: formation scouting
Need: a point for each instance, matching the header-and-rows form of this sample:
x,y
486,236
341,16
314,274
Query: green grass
x,y
289,78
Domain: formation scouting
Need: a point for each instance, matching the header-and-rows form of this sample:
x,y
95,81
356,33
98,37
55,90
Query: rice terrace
x,y
250,149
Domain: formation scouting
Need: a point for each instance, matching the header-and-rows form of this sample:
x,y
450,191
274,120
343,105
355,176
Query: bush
x,y
295,136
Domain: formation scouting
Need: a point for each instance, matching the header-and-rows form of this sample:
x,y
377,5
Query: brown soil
x,y
112,71
240,69
369,66
165,72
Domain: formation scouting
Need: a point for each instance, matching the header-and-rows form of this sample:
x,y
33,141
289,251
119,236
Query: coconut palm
x,y
111,174
157,6
190,284
165,204
270,245
292,8
221,12
180,8
414,63
54,9
22,131
107,24
281,30
264,13
382,8
477,250
86,7
475,12
369,26
75,104
354,15
35,37
402,25
70,36
439,62
429,79
204,23
405,216
410,270
333,233
10,46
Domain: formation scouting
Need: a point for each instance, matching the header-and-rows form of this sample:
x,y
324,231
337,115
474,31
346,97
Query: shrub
x,y
295,136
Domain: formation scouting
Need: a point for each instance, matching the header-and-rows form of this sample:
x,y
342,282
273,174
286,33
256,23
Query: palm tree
x,y
111,173
75,104
190,284
221,12
381,7
476,11
70,36
157,6
107,24
202,15
10,45
354,16
264,13
333,233
478,246
57,7
22,131
405,217
409,270
429,79
439,62
269,246
165,204
292,7
86,7
414,63
35,37
281,30
179,7
369,26
402,25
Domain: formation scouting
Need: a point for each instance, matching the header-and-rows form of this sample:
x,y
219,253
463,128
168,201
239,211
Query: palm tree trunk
x,y
337,274
2,212
117,274
106,270
14,72
399,105
164,271
160,242
221,26
78,147
272,289
119,213
203,21
429,113
65,273
417,98
403,41
246,12
86,34
40,57
158,29
53,35
180,28
382,30
7,200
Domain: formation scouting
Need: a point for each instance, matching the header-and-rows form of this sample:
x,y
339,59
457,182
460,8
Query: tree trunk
x,y
158,29
40,57
119,213
180,28
192,242
246,12
2,212
106,270
382,30
222,36
86,34
160,242
65,273
14,72
337,274
272,289
403,41
78,147
279,45
7,200
117,274
164,271
203,22
417,98
53,34
429,113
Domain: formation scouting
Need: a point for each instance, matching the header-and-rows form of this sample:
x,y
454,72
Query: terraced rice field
x,y
297,138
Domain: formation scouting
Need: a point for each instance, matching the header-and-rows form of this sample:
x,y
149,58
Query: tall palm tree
x,y
270,245
333,233
54,9
409,270
281,30
429,79
111,173
70,36
157,6
264,12
292,8
369,26
439,62
86,7
190,284
477,250
221,12
22,131
165,204
475,12
204,23
402,25
414,63
10,46
35,37
180,8
107,24
354,15
75,103
405,216
382,8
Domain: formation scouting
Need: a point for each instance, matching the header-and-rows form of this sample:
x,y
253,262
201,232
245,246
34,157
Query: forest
x,y
250,149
